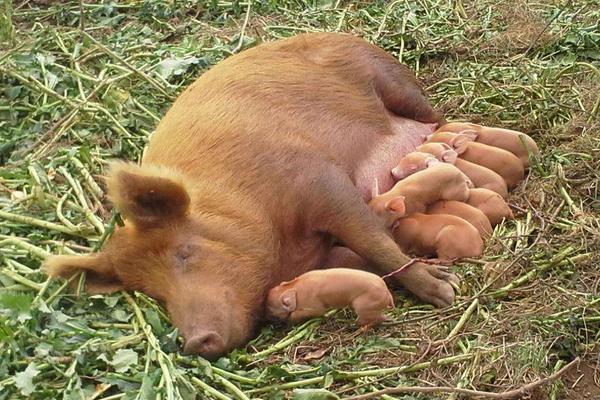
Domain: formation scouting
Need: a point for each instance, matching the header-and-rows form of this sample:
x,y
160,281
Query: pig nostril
x,y
207,344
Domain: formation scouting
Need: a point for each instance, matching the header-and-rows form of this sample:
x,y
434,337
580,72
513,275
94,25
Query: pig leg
x,y
346,216
397,86
369,310
469,243
343,257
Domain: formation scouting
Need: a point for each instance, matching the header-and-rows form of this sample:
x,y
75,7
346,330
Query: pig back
x,y
337,287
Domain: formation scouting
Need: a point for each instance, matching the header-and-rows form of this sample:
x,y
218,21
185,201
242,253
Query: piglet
x,y
416,192
413,162
314,293
491,204
480,176
441,151
472,215
446,236
503,162
518,143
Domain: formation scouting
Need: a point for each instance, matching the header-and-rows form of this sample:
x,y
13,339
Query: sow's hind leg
x,y
397,86
341,212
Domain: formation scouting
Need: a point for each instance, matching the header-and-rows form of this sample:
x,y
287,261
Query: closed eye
x,y
184,254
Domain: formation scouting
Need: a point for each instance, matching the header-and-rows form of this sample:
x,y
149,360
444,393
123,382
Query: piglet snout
x,y
208,344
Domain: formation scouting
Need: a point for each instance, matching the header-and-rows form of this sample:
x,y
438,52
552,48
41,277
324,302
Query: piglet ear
x,y
288,300
100,274
449,156
471,134
149,196
460,143
396,205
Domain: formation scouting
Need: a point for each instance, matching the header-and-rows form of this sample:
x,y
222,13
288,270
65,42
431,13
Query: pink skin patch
x,y
385,154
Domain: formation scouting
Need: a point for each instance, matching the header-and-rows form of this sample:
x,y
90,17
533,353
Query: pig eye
x,y
184,254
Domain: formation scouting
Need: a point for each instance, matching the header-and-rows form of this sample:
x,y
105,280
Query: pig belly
x,y
386,152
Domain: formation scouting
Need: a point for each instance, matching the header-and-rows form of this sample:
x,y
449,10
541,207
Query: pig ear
x,y
288,300
100,274
460,143
396,205
149,196
471,134
449,156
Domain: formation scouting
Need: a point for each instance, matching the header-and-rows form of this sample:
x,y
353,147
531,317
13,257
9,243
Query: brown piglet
x,y
503,162
413,162
481,177
518,143
445,236
314,293
472,215
491,204
416,192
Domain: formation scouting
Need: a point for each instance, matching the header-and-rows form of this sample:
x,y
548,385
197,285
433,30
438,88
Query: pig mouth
x,y
218,333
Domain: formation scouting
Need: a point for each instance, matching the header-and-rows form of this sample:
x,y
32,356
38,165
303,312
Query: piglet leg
x,y
344,215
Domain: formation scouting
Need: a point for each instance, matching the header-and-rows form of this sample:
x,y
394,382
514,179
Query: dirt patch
x,y
582,383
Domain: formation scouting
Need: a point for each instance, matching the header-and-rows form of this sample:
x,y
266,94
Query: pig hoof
x,y
436,285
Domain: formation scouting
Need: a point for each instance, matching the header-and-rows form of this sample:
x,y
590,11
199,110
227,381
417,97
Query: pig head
x,y
193,265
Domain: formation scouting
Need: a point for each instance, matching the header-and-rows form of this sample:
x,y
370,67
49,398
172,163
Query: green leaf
x,y
313,394
124,359
24,380
175,66
18,304
147,391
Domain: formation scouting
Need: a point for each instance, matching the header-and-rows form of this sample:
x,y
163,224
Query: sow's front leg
x,y
341,212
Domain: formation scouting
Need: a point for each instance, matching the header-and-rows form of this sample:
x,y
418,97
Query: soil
x,y
586,379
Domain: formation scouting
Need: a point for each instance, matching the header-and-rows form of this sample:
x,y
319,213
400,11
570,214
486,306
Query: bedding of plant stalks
x,y
85,83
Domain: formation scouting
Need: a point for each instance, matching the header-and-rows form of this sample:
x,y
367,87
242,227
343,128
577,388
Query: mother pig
x,y
257,168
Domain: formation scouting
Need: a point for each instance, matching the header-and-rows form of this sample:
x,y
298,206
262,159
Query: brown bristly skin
x,y
316,292
515,142
480,176
503,162
446,236
472,215
441,182
491,204
249,177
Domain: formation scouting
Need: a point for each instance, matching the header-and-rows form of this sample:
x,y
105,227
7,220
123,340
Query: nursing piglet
x,y
516,142
491,204
316,292
503,162
445,236
472,215
481,177
416,192
412,163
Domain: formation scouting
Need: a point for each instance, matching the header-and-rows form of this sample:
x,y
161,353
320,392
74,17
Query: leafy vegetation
x,y
81,84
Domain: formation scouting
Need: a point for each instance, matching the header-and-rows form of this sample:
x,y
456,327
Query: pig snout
x,y
205,343
210,329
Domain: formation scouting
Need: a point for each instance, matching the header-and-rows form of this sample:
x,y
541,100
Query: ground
x,y
77,90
